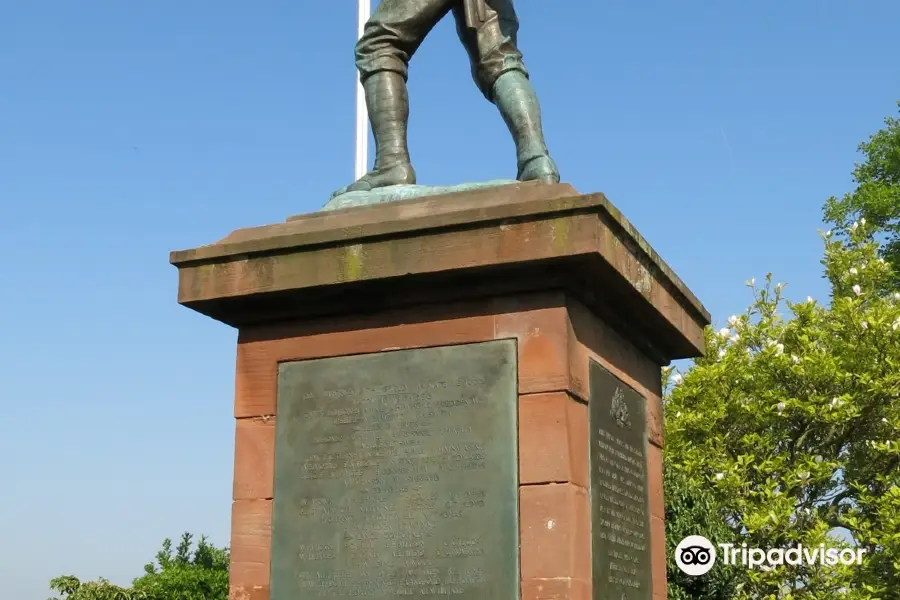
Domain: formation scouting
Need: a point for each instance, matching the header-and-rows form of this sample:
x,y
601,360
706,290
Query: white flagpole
x,y
362,117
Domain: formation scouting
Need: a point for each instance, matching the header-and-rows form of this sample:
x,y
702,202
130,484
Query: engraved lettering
x,y
396,475
619,491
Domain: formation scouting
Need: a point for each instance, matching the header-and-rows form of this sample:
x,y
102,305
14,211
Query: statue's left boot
x,y
515,98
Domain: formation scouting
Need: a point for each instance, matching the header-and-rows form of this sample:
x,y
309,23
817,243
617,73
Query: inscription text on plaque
x,y
620,511
396,475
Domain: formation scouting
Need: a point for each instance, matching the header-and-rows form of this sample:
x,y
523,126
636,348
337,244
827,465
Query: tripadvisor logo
x,y
696,555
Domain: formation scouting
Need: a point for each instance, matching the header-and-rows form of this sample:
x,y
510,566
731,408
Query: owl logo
x,y
618,410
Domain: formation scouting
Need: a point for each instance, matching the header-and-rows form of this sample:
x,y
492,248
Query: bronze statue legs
x,y
390,39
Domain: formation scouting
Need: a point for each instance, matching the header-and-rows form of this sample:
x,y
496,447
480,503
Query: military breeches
x,y
397,28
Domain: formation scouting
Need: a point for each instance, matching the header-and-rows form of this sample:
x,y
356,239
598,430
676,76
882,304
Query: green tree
x,y
787,431
791,425
876,198
70,588
186,573
693,510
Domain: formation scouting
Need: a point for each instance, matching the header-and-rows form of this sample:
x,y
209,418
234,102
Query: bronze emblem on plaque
x,y
618,409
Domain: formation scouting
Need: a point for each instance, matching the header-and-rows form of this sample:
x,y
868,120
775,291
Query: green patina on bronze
x,y
488,30
620,501
396,475
395,193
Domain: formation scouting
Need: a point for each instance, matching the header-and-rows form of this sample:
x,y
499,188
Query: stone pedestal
x,y
456,396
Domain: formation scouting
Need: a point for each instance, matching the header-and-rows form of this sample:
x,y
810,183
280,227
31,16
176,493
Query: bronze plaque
x,y
396,475
620,501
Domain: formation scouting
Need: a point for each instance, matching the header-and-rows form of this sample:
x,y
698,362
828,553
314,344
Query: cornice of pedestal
x,y
483,243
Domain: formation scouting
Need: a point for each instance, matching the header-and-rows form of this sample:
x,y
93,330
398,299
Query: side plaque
x,y
396,476
620,511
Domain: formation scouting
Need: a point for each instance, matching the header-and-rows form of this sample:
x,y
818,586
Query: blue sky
x,y
129,129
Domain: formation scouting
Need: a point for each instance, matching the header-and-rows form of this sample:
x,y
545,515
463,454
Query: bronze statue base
x,y
393,193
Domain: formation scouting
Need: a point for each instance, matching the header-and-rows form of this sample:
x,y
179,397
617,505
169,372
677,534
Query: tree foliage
x,y
877,195
693,510
787,431
70,587
186,573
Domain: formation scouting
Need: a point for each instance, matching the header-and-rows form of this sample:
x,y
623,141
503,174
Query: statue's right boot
x,y
387,102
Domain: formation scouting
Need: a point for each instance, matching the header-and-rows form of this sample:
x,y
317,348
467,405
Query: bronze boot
x,y
517,102
388,106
